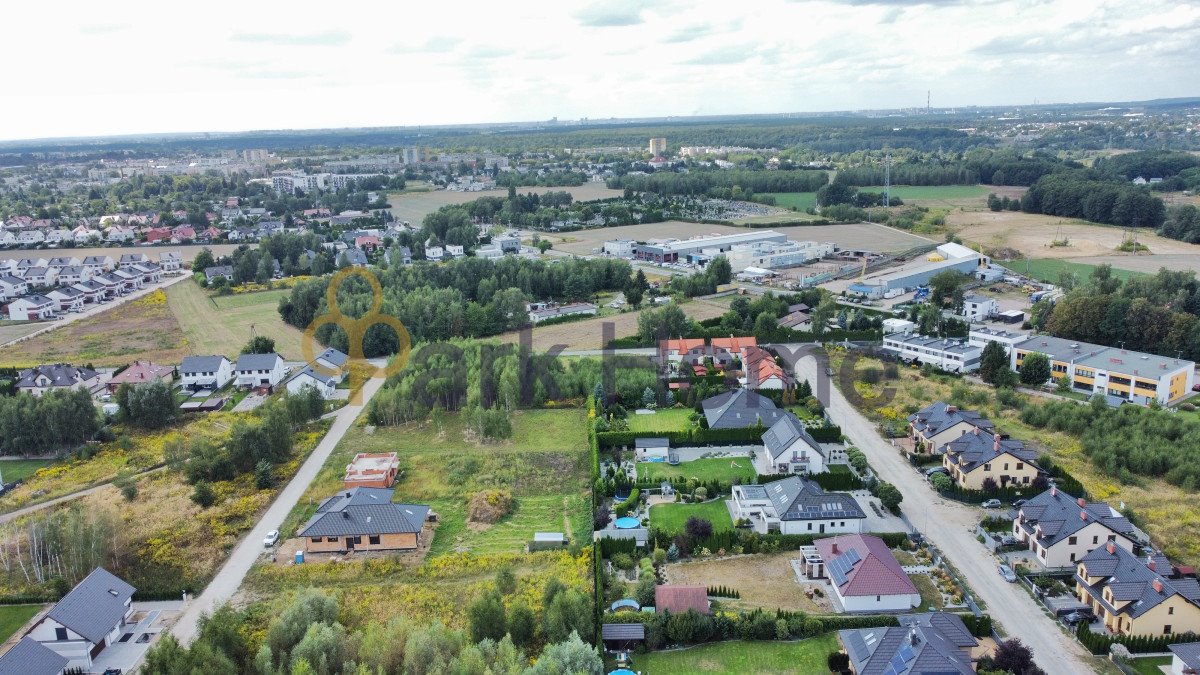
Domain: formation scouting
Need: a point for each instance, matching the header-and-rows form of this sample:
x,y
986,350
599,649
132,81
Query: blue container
x,y
299,557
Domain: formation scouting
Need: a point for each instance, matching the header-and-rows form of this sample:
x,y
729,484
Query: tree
x,y
824,311
992,362
663,323
942,286
698,528
544,245
764,326
486,617
648,397
521,625
1035,369
149,406
572,655
204,495
1014,657
941,482
259,344
264,476
127,485
569,611
644,592
204,259
889,496
990,485
265,270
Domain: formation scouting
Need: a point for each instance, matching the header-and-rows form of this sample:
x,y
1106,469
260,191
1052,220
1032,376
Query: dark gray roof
x,y
218,271
784,433
939,416
30,657
923,644
10,279
973,450
738,409
797,498
319,377
1188,652
67,291
258,361
355,257
1060,516
60,375
1131,579
95,606
36,299
652,443
623,631
338,359
201,364
360,511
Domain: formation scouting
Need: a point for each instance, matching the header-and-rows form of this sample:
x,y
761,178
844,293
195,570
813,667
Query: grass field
x,y
673,419
12,617
15,330
414,206
764,580
934,193
1048,269
672,517
800,201
719,468
19,469
222,325
805,657
1149,665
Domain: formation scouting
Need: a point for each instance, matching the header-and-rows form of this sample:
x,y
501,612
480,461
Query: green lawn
x,y
720,468
1047,269
1149,665
800,201
922,193
744,658
12,617
19,469
238,300
672,419
532,514
672,517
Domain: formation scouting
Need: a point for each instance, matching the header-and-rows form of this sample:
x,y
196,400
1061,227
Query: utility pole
x,y
927,109
887,180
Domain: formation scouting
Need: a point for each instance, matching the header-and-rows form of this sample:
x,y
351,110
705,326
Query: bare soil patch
x,y
764,580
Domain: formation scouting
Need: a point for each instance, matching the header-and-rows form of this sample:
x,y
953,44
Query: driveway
x,y
227,580
878,519
950,527
249,403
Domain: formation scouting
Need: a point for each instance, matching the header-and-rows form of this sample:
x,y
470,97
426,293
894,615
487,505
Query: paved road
x,y
231,574
93,310
949,525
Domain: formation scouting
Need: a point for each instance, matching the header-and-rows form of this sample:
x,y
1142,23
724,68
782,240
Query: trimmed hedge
x,y
28,599
753,542
608,547
1006,495
1099,644
831,433
622,509
829,481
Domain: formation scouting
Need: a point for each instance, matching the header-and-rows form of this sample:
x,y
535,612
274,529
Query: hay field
x,y
414,206
221,325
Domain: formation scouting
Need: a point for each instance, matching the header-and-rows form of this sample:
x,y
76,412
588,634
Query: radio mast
x,y
887,180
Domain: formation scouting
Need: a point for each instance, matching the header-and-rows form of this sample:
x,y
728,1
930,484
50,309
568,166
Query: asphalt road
x,y
246,553
950,526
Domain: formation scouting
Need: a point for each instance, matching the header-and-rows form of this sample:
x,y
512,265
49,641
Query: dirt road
x,y
949,525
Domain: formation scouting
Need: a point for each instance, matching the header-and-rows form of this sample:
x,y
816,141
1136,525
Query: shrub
x,y
203,495
698,528
489,506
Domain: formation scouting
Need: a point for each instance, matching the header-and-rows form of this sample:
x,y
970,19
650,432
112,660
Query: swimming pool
x,y
656,459
627,523
621,671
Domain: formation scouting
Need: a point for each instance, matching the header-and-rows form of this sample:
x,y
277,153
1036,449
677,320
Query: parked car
x,y
1007,574
991,504
929,473
1079,616
1196,387
271,538
1018,503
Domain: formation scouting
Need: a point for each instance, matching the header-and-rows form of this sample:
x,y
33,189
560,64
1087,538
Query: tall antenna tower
x,y
887,180
927,109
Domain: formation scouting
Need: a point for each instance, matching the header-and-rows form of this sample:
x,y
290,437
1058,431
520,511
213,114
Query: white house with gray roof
x,y
325,385
789,448
13,287
30,657
937,642
87,619
949,354
796,505
259,370
205,372
1060,529
31,308
66,299
40,379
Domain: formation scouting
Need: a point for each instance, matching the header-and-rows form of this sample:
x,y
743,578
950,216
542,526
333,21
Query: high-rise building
x,y
658,146
412,155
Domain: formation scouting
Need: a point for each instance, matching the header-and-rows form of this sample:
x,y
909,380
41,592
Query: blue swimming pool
x,y
656,459
621,671
627,523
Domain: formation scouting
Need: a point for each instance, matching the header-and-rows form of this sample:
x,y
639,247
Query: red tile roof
x,y
140,372
679,599
760,366
876,573
734,345
681,345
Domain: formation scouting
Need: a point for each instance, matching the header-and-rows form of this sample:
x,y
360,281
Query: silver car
x,y
271,538
1007,574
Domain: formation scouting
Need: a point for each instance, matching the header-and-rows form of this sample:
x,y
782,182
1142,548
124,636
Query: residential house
x,y
66,299
364,519
556,311
648,449
99,264
799,321
149,272
979,307
1133,596
740,408
1060,530
760,371
183,233
398,255
674,350
455,251
87,619
13,286
73,274
91,291
41,277
367,242
308,376
31,308
30,237
679,598
132,259
937,642
789,448
864,574
59,236
83,233
372,470
215,271
170,261
113,286
7,238
796,505
949,354
30,657
435,253
259,370
129,281
63,261
734,345
938,423
332,362
154,235
25,264
205,372
354,257
118,234
141,372
1185,658
59,376
973,458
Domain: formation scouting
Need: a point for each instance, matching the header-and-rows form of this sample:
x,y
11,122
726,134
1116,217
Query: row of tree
x,y
1076,194
700,182
55,421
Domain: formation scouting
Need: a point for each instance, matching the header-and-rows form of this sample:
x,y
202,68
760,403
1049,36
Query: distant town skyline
x,y
141,67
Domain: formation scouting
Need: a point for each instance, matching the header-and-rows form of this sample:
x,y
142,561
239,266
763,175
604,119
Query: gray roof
x,y
652,443
95,606
943,345
97,260
1059,514
30,657
1188,652
1131,579
319,377
201,364
975,449
333,356
923,644
67,291
738,409
784,433
364,511
36,299
218,271
258,361
60,374
939,416
355,256
14,280
797,498
623,631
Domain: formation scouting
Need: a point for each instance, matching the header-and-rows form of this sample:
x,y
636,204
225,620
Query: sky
x,y
127,67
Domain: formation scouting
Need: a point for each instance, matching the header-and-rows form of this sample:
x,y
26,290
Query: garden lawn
x,y
12,617
671,419
1149,665
803,657
672,517
1048,269
800,201
20,469
718,468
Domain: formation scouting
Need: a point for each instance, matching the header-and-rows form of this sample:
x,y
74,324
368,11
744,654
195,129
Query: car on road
x,y
991,504
1079,616
271,538
1007,574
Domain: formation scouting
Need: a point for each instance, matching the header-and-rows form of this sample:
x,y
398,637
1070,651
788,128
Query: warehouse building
x,y
950,256
675,250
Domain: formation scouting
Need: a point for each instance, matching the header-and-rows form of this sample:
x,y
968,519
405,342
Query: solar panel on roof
x,y
841,566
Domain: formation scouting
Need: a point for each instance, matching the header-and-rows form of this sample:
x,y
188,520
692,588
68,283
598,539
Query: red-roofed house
x,y
675,350
367,242
734,345
864,574
679,599
140,372
761,371
184,233
154,234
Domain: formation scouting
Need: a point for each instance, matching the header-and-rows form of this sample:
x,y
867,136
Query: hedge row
x,y
831,433
622,509
1099,644
26,599
829,481
753,542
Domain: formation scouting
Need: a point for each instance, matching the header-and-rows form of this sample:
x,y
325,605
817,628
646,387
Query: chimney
x,y
1083,515
1111,548
834,550
976,429
346,514
1157,584
1081,501
1152,564
996,444
951,408
1053,491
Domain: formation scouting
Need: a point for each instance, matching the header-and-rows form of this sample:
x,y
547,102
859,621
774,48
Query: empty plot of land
x,y
588,333
764,580
222,325
414,206
187,252
849,236
937,195
10,331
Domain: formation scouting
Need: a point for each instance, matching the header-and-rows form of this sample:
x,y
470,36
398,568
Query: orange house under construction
x,y
372,469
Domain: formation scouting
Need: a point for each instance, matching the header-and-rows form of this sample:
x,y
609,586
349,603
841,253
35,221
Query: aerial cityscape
x,y
646,340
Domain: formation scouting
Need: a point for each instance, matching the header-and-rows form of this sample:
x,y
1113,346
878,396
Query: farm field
x,y
672,419
672,517
142,329
414,206
804,657
222,324
716,468
1047,269
587,333
764,580
12,617
850,235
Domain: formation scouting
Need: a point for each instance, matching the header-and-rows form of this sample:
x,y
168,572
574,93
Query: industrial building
x,y
775,255
620,248
950,256
701,248
949,354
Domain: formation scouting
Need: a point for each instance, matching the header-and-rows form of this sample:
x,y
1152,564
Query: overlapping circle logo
x,y
360,369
